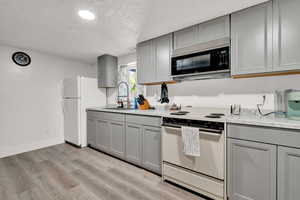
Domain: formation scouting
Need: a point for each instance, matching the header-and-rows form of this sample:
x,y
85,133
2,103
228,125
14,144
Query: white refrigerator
x,y
79,94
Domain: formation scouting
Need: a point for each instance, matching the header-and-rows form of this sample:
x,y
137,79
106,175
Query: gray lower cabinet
x,y
134,138
91,131
134,143
251,40
288,173
286,35
117,135
251,170
103,135
151,148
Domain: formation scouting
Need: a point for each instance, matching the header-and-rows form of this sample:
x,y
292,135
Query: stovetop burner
x,y
179,113
215,115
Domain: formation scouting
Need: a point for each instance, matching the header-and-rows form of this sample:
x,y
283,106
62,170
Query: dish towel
x,y
191,141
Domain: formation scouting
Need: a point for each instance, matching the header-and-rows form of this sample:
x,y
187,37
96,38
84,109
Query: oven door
x,y
212,148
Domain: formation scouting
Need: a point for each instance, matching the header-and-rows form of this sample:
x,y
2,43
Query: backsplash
x,y
224,92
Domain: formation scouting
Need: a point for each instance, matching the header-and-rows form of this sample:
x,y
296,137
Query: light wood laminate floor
x,y
63,172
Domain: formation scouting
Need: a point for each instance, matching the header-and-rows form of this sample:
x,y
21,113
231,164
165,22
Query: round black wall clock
x,y
21,58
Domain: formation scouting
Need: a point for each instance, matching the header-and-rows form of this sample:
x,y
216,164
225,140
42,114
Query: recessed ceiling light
x,y
86,14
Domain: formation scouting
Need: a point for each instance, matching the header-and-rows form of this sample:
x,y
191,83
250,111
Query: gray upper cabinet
x,y
117,132
286,35
163,47
288,173
152,148
251,40
146,70
134,143
185,37
251,170
153,60
213,30
208,31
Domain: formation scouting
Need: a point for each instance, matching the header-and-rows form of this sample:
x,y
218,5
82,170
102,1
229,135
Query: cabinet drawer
x,y
203,184
92,114
110,116
285,137
144,120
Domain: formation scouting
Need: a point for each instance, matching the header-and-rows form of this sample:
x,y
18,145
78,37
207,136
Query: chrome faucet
x,y
122,96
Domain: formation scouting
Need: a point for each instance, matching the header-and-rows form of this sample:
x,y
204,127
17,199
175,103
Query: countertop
x,y
155,113
199,114
269,121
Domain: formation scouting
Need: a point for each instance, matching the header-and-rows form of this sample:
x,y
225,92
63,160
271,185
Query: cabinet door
x,y
288,173
286,35
163,46
185,37
146,70
117,132
91,131
251,170
251,34
133,143
103,135
152,148
213,29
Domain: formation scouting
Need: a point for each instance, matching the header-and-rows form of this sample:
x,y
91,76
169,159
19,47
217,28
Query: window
x,y
127,73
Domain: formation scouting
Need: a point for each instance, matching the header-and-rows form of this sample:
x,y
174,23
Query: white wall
x,y
31,112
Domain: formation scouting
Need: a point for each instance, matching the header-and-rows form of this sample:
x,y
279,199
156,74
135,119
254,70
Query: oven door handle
x,y
203,131
177,128
209,133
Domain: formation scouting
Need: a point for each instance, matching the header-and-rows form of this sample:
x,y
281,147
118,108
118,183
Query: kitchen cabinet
x,y
163,49
134,138
185,37
286,35
152,148
146,71
265,155
205,32
103,135
153,60
288,173
251,40
117,135
134,143
251,170
91,131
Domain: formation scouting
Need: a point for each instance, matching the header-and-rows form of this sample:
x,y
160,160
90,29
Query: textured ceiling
x,y
53,26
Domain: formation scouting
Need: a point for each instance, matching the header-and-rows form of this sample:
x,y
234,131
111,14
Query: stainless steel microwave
x,y
208,62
